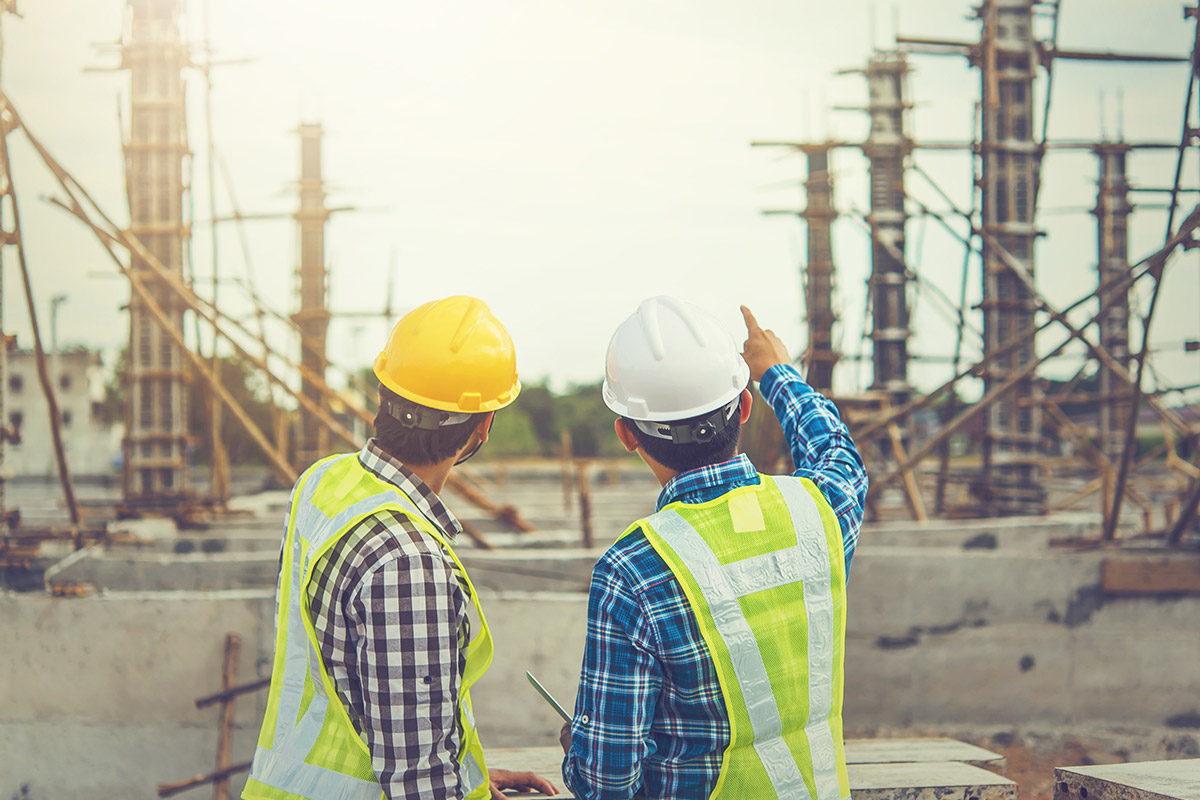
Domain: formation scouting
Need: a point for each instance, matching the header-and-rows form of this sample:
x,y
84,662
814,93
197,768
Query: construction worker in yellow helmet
x,y
716,626
374,652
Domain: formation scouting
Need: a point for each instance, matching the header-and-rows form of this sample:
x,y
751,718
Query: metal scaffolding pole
x,y
313,317
1012,447
886,147
1112,221
818,215
154,473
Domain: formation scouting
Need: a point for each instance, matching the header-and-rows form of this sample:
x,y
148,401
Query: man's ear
x,y
485,426
626,436
744,407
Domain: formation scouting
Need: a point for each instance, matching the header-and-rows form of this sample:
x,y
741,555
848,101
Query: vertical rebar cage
x,y
1012,446
155,447
886,148
1112,248
312,319
818,215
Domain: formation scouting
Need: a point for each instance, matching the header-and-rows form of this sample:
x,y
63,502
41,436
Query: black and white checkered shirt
x,y
390,613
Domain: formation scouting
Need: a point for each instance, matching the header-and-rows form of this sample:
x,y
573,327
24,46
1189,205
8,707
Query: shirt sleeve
x,y
618,690
821,447
402,619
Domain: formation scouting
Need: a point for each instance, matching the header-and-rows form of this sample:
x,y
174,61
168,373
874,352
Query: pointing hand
x,y
763,349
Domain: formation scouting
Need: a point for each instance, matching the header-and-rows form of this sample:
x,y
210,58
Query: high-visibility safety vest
x,y
308,747
763,571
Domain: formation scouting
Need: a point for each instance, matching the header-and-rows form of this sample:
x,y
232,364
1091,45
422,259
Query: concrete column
x,y
154,472
1012,448
886,147
313,316
1112,249
818,215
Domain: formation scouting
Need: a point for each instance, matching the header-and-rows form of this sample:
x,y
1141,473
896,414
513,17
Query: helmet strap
x,y
700,431
411,415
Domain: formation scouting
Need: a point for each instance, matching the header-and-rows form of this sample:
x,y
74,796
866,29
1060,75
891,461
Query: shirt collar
x,y
707,483
378,461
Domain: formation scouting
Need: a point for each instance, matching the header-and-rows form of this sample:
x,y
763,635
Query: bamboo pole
x,y
1187,514
1138,271
170,789
585,504
283,470
15,238
568,497
233,691
912,491
225,731
197,304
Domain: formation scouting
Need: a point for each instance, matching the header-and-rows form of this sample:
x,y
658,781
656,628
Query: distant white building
x,y
91,445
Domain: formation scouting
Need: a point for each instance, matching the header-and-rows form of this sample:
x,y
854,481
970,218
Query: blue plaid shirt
x,y
649,718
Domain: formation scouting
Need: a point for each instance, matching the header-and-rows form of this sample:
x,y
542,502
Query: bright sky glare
x,y
564,160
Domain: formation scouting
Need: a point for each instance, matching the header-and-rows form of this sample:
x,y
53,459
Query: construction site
x,y
1024,606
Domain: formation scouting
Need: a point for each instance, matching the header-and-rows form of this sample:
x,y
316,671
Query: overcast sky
x,y
564,160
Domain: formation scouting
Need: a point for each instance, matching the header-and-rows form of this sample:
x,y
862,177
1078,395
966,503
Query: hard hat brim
x,y
621,409
483,407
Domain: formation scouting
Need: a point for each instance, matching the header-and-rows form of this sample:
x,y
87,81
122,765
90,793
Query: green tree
x,y
512,434
250,390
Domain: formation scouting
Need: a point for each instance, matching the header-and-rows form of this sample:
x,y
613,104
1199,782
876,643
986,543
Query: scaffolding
x,y
154,470
6,431
312,318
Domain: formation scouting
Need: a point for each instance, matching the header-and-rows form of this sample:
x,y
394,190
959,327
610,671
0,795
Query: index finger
x,y
751,322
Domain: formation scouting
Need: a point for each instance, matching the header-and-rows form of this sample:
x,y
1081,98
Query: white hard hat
x,y
672,361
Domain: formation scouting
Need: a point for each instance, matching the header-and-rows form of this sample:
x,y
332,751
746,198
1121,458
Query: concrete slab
x,y
898,751
997,533
1147,780
938,780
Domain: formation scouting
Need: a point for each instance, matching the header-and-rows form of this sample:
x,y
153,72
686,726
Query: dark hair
x,y
684,457
415,445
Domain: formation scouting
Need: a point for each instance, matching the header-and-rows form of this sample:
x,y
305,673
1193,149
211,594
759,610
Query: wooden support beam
x,y
916,504
585,504
233,691
233,644
275,456
1187,514
15,237
170,789
1151,575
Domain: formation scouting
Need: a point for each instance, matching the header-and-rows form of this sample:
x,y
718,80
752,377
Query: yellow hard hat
x,y
452,355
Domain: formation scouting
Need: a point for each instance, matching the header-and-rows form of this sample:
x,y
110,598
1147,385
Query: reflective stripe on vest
x,y
282,767
722,585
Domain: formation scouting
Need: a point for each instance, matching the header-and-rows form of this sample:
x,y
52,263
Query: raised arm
x,y
820,443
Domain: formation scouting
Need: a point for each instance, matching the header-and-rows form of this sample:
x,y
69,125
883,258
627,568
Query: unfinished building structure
x,y
312,318
154,469
5,428
1112,248
1012,444
819,214
886,148
817,273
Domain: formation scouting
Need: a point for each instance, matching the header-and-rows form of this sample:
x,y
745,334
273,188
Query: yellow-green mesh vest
x,y
308,747
763,570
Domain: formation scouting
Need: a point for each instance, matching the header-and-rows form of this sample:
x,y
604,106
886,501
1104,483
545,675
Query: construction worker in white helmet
x,y
716,626
374,652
